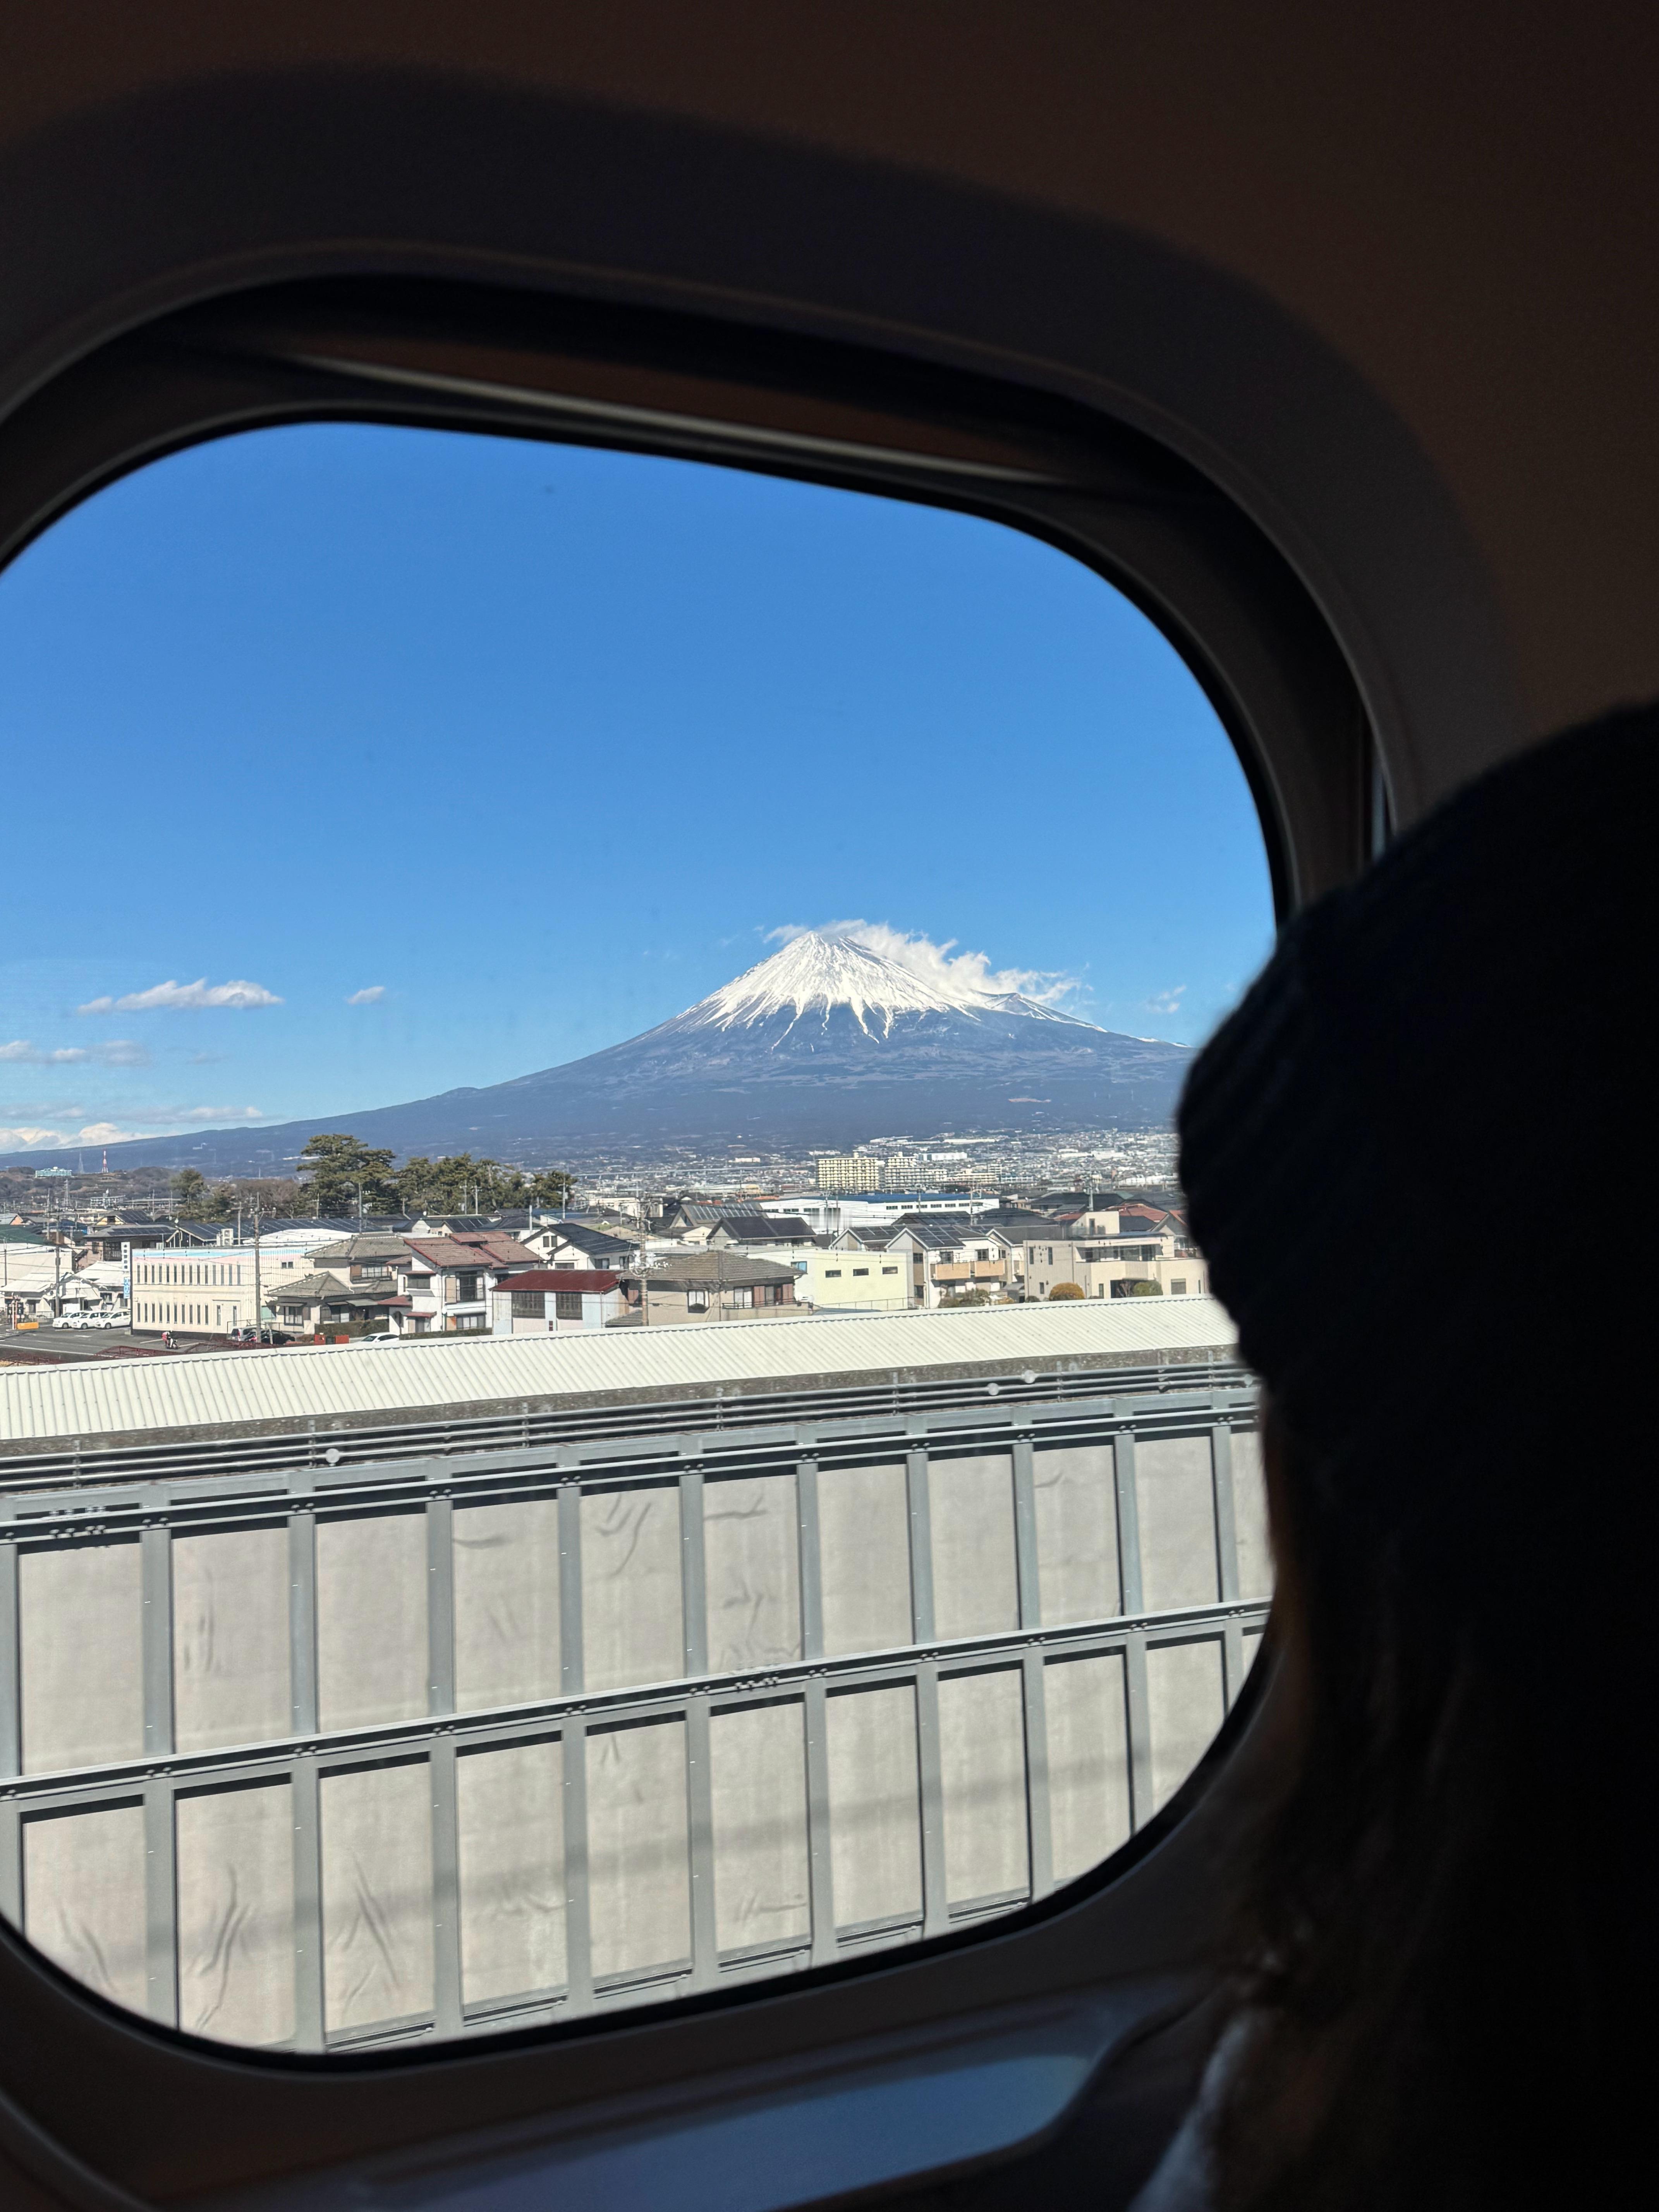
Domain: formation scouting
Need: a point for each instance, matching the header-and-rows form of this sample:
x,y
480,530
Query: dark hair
x,y
1405,1155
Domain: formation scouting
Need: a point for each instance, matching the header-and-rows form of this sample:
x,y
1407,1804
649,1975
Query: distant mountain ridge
x,y
826,1043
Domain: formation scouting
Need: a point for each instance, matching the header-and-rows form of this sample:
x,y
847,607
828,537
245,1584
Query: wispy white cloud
x,y
21,1053
63,1122
172,1117
28,1137
367,998
177,998
1167,1002
118,1052
939,963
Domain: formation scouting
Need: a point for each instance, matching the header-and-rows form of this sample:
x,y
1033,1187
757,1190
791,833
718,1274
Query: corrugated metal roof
x,y
211,1389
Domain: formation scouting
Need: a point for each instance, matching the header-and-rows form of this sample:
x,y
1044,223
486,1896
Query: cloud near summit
x,y
939,964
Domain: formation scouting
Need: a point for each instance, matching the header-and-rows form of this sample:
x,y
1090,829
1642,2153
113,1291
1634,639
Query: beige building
x,y
1111,1267
205,1291
710,1286
949,1259
859,1279
849,1171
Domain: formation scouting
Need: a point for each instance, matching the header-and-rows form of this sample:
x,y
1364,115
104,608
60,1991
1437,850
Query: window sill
x,y
868,2116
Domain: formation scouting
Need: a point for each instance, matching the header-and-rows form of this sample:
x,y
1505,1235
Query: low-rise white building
x,y
857,1279
557,1302
205,1290
826,1213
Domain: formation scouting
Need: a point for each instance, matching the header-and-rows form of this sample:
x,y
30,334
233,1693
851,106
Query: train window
x,y
498,1558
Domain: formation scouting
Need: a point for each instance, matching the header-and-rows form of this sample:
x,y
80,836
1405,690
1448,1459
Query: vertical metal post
x,y
155,1583
11,1715
699,1773
922,1545
930,1778
303,1619
1038,1827
694,1575
1128,1522
11,1860
441,1605
570,1589
700,1823
573,1762
1039,1833
304,1784
578,1917
446,1992
820,1865
1226,1526
1226,1550
1025,1543
809,1554
1137,1711
161,1906
1139,1727
11,1728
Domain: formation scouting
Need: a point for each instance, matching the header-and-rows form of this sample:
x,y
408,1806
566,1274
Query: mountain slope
x,y
827,1043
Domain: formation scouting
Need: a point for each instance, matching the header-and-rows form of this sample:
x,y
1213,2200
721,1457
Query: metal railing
x,y
375,1888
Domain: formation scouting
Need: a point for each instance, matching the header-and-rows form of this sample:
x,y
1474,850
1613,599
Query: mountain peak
x,y
816,972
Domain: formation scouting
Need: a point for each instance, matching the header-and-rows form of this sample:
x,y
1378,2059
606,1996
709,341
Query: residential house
x,y
30,1272
560,1302
947,1259
320,1304
574,1245
779,1236
373,1259
1115,1267
713,1286
444,1283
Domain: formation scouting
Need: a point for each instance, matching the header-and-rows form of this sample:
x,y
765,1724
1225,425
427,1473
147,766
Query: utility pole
x,y
258,1288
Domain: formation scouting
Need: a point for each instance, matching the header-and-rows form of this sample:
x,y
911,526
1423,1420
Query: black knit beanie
x,y
1411,1156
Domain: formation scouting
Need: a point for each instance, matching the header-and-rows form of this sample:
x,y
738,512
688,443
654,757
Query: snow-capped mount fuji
x,y
816,974
827,1043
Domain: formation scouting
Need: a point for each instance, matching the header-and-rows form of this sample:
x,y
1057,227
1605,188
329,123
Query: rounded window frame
x,y
665,382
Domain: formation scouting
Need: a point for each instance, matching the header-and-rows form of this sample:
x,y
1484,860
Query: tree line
x,y
342,1175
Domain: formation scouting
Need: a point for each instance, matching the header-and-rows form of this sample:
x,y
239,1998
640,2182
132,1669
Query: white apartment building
x,y
903,1171
827,1213
849,1171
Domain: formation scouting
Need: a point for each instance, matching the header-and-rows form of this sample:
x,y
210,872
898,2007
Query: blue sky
x,y
462,757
